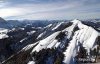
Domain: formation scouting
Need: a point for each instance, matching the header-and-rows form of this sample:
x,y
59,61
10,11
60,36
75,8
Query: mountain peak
x,y
2,20
75,21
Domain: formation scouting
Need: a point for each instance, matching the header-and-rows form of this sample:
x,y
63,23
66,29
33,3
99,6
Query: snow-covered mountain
x,y
71,42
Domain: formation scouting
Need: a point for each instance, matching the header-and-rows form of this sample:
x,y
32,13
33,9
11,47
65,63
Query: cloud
x,y
49,9
28,9
1,1
9,12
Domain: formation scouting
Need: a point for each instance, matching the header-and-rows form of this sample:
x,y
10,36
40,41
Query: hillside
x,y
72,42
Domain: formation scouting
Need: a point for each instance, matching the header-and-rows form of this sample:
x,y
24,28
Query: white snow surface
x,y
71,51
31,32
23,39
47,42
3,33
85,35
57,26
49,25
29,46
52,44
31,62
41,35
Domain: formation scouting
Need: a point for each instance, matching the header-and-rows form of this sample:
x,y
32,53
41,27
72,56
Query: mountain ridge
x,y
60,43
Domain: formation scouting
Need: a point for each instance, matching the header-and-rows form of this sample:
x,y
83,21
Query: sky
x,y
49,9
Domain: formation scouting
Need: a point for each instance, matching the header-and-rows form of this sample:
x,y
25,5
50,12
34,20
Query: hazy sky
x,y
49,9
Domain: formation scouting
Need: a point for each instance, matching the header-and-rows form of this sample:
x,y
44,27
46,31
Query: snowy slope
x,y
3,33
85,35
43,44
59,42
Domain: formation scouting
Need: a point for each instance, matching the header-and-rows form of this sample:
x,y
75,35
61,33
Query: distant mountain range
x,y
49,42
